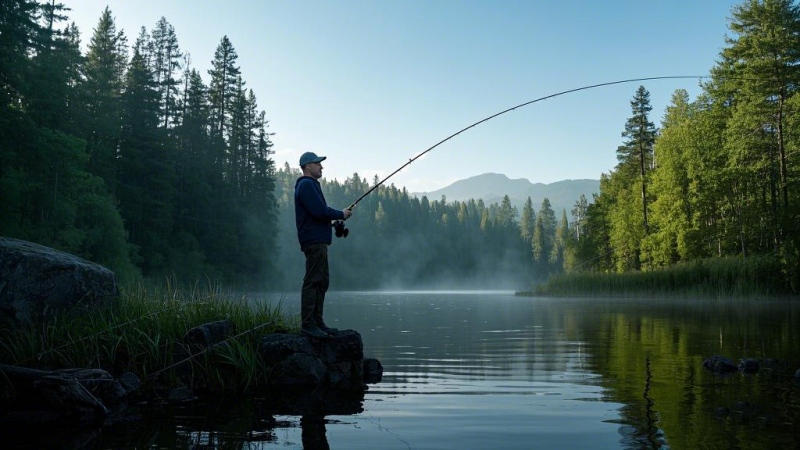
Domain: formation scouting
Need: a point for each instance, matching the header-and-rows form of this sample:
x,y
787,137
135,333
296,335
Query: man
x,y
313,218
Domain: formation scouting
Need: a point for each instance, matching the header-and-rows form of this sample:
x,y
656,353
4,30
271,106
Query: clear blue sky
x,y
372,83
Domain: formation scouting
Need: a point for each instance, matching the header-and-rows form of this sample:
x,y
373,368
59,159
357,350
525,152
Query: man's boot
x,y
318,318
314,332
309,325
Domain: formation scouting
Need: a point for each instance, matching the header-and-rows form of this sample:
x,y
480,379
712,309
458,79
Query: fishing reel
x,y
340,229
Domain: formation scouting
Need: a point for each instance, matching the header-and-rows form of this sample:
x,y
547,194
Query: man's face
x,y
314,169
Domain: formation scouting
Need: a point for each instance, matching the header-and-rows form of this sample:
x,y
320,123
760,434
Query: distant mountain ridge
x,y
491,187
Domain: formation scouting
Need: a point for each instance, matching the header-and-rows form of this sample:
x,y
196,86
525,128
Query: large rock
x,y
197,341
719,365
337,363
292,362
76,396
36,280
209,334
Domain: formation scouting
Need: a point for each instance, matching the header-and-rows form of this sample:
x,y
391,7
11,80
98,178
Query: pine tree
x,y
146,168
672,210
528,221
561,236
544,235
506,214
224,87
166,63
19,35
579,213
636,155
55,70
104,69
758,73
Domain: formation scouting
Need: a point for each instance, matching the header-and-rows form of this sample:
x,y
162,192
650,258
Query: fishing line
x,y
583,88
176,304
153,375
39,355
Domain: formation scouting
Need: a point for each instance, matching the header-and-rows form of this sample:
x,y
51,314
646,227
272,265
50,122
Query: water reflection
x,y
269,420
640,358
314,433
490,370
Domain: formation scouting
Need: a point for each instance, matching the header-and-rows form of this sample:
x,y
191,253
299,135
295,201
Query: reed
x,y
144,329
714,277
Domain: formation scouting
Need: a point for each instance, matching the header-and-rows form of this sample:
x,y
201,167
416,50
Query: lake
x,y
486,370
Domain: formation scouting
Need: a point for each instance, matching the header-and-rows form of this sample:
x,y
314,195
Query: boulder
x,y
373,371
719,365
76,396
337,363
209,334
749,365
195,342
36,280
292,361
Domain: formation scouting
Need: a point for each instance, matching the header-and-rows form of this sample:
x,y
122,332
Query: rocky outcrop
x,y
36,280
77,396
719,365
291,360
327,376
337,363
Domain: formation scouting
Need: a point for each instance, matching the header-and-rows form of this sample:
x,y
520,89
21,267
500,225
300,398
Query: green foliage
x,y
132,160
143,333
19,35
543,241
721,180
115,158
528,221
713,277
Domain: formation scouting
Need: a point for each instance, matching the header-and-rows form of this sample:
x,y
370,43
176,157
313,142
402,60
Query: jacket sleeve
x,y
312,199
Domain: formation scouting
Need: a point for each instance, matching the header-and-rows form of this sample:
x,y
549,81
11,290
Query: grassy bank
x,y
717,277
143,333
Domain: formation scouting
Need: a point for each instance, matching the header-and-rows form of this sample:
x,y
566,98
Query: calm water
x,y
488,370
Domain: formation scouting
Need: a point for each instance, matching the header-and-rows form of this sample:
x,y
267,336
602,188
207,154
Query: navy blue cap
x,y
310,157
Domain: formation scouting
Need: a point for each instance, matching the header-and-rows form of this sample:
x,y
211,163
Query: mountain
x,y
491,187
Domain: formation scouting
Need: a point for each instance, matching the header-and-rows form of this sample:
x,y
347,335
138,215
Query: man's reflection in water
x,y
312,407
314,433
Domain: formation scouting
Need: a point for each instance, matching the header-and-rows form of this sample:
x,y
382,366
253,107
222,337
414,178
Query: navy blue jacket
x,y
312,214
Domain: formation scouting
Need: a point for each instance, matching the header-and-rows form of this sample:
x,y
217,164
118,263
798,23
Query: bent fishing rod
x,y
583,88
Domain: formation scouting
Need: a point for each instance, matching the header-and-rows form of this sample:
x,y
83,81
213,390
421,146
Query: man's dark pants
x,y
315,284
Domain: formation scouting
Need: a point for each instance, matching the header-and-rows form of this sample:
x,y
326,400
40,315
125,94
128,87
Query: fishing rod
x,y
583,88
342,231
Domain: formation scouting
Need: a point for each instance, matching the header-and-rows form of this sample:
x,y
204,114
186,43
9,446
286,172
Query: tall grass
x,y
143,331
715,277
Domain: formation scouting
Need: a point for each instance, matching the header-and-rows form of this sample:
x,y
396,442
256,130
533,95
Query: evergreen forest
x,y
129,156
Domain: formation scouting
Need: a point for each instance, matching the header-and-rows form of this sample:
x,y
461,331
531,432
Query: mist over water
x,y
463,370
486,369
410,258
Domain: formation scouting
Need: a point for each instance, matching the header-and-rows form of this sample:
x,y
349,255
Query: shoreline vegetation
x,y
143,332
736,277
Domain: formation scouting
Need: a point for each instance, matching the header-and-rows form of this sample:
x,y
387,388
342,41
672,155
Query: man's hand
x,y
347,213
